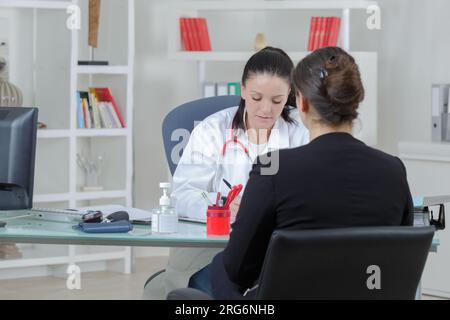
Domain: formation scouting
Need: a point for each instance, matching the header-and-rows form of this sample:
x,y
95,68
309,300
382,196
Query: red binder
x,y
323,26
326,39
190,33
187,46
317,33
193,31
205,42
312,32
335,29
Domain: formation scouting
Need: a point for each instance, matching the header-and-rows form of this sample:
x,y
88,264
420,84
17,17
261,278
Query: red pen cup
x,y
218,221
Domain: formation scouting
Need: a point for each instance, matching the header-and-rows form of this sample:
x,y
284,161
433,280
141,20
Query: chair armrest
x,y
188,294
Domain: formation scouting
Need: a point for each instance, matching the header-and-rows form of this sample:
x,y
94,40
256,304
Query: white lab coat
x,y
202,166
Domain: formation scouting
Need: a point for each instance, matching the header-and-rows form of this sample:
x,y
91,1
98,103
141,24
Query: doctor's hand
x,y
234,208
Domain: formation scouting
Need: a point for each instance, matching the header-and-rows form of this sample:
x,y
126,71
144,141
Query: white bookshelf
x,y
241,56
36,4
124,132
367,61
125,70
52,197
80,196
56,134
60,143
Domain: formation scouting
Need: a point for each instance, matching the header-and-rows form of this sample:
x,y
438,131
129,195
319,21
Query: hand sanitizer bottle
x,y
164,218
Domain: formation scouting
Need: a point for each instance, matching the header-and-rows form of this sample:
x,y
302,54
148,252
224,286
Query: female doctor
x,y
224,146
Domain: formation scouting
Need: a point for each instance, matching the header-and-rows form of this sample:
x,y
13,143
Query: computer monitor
x,y
18,129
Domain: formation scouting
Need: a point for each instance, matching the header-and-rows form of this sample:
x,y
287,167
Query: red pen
x,y
218,198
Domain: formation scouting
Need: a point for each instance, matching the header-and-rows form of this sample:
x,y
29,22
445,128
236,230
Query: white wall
x,y
159,86
406,63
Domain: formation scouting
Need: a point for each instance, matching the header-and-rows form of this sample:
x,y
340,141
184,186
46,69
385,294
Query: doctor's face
x,y
265,96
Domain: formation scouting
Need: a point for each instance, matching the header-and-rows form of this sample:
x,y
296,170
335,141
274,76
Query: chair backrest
x,y
347,263
185,117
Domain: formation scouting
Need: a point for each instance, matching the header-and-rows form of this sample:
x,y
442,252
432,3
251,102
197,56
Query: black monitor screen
x,y
18,129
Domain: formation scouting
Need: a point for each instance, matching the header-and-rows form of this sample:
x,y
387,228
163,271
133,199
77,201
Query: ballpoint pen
x,y
228,184
206,199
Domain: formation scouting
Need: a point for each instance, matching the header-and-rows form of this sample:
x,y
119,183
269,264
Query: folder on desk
x,y
133,213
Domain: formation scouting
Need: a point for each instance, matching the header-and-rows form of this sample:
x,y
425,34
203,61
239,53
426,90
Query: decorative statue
x,y
260,42
10,95
94,23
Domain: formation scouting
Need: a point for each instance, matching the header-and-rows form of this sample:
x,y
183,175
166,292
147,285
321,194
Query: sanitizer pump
x,y
164,218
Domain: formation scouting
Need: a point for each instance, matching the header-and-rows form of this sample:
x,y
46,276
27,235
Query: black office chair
x,y
185,117
347,263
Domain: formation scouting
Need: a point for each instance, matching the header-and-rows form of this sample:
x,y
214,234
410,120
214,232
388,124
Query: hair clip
x,y
323,73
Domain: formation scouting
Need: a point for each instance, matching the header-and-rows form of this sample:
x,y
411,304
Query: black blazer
x,y
334,181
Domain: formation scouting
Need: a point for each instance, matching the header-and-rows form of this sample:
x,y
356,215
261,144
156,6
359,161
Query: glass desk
x,y
36,230
190,234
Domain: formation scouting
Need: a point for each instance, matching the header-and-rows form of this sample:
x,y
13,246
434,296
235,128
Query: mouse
x,y
118,216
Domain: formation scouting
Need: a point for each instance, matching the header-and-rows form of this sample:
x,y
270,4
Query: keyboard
x,y
59,215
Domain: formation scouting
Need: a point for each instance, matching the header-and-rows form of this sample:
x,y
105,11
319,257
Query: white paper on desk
x,y
133,213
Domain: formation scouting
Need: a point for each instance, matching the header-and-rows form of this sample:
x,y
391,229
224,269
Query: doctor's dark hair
x,y
330,81
272,61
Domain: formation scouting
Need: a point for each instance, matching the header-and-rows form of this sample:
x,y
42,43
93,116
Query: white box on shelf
x,y
209,90
222,89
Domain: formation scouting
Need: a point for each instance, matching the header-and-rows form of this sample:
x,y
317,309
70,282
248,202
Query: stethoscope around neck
x,y
235,140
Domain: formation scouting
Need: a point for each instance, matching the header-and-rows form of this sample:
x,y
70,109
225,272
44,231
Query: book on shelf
x,y
323,32
95,111
87,109
211,89
105,95
80,112
98,109
194,34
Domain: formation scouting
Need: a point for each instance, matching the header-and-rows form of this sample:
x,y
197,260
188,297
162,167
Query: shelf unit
x,y
55,134
63,142
36,4
367,60
125,70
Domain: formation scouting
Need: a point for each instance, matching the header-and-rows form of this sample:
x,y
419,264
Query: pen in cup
x,y
206,199
218,198
228,184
